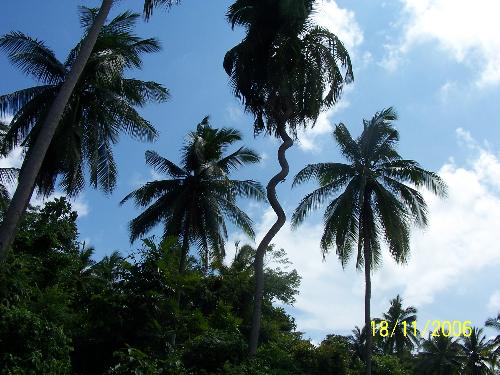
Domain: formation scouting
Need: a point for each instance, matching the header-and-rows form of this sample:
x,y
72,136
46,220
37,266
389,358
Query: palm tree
x,y
440,355
27,59
358,341
100,108
477,353
376,199
401,340
194,203
285,71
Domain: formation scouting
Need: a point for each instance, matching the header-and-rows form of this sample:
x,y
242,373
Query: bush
x,y
212,349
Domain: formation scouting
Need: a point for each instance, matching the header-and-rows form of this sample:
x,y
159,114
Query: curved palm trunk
x,y
368,294
34,158
266,241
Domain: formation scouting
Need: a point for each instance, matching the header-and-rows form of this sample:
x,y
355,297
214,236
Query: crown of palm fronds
x,y
374,195
102,106
199,196
285,69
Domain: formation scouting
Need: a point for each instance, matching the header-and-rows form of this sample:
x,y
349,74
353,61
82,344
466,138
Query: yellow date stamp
x,y
447,328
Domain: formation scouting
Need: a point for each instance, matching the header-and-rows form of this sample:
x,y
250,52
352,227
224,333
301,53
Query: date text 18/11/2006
x,y
446,328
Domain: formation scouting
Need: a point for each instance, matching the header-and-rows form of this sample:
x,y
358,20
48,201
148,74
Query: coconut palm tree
x,y
101,107
402,339
285,71
198,198
478,355
440,355
25,56
370,197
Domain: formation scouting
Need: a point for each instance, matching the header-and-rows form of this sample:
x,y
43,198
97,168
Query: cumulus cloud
x,y
461,239
340,21
467,31
309,139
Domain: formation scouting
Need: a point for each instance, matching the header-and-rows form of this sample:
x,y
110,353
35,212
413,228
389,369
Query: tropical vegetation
x,y
183,299
373,197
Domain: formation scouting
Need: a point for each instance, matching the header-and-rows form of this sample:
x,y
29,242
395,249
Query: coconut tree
x,y
285,71
372,196
26,57
478,355
199,196
402,339
101,107
440,355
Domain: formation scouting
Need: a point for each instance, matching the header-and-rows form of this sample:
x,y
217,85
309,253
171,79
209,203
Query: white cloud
x,y
340,21
309,139
467,31
494,302
6,119
78,204
13,160
234,113
461,240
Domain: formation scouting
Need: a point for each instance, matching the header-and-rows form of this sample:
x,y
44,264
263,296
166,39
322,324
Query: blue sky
x,y
416,55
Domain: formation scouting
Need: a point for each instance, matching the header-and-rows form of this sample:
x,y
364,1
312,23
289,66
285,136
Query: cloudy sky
x,y
436,61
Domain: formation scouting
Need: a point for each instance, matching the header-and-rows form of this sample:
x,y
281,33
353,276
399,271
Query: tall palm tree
x,y
477,353
33,162
54,113
200,195
100,108
440,355
285,71
400,341
371,197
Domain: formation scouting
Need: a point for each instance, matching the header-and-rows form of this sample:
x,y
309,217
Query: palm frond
x,y
324,173
32,57
164,165
410,171
348,146
149,5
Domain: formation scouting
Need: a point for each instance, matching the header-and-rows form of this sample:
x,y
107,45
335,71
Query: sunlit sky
x,y
436,61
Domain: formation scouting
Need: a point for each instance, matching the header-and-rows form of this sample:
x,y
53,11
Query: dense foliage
x,y
162,308
63,312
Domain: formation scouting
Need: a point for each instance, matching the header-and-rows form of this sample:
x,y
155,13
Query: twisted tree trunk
x,y
34,158
266,241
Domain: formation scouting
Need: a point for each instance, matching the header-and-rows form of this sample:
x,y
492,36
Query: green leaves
x,y
32,57
285,70
102,106
200,196
376,198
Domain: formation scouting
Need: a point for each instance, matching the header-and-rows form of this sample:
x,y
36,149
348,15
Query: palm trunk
x,y
34,158
266,241
368,293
